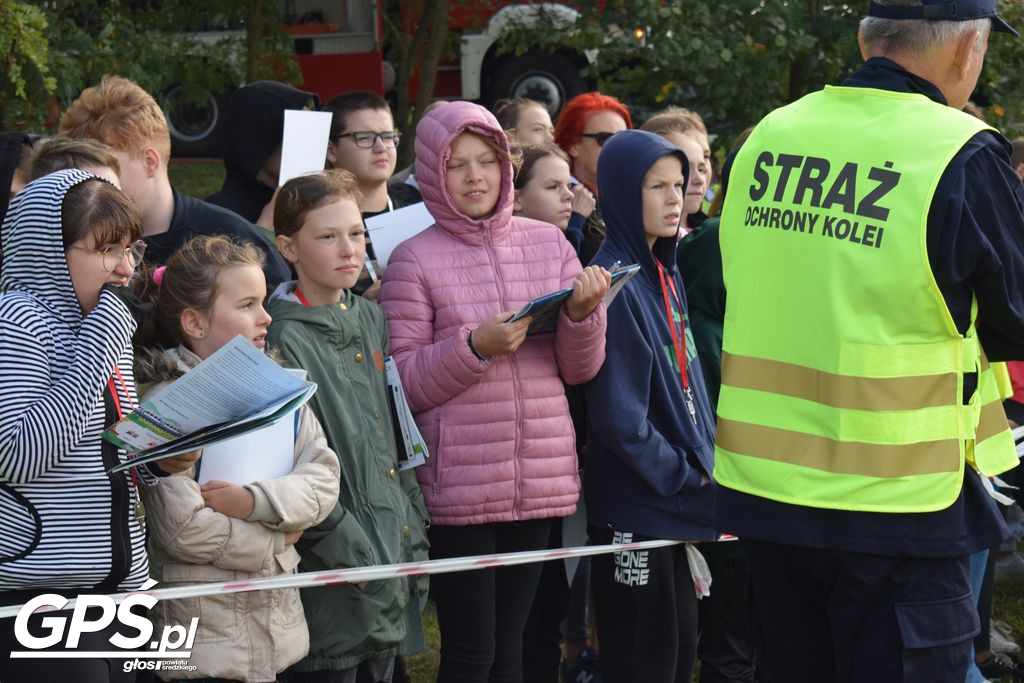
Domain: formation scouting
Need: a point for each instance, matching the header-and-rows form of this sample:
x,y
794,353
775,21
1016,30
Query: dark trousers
x,y
481,613
646,611
842,617
542,637
60,670
726,647
369,671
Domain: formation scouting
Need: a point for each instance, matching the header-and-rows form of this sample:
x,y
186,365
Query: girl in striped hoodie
x,y
70,243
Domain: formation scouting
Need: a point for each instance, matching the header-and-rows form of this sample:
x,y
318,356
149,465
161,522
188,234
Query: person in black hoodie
x,y
254,124
650,428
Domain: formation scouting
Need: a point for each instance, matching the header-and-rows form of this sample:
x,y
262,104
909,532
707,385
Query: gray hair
x,y
916,36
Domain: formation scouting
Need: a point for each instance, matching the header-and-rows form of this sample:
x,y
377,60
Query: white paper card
x,y
266,453
388,230
304,144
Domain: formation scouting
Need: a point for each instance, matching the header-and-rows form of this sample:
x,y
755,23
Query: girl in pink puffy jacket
x,y
488,398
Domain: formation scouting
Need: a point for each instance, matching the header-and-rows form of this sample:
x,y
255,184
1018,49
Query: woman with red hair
x,y
584,125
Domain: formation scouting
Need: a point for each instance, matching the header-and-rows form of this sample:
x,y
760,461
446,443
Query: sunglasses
x,y
600,138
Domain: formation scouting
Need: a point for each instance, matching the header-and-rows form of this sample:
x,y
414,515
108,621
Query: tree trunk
x,y
803,69
255,27
424,51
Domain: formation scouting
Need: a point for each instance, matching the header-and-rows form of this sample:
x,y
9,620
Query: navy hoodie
x,y
645,455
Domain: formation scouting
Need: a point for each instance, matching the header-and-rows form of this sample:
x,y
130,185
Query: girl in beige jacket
x,y
211,291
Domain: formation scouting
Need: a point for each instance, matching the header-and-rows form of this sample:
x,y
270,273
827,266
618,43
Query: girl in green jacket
x,y
341,340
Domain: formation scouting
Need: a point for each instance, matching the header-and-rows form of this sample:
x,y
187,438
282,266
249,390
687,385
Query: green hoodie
x,y
380,517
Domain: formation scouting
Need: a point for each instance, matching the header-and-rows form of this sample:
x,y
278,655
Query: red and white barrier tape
x,y
385,571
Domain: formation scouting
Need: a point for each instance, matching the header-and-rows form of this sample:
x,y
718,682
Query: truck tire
x,y
195,128
551,78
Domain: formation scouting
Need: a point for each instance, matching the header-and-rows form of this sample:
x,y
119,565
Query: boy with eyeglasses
x,y
122,115
364,142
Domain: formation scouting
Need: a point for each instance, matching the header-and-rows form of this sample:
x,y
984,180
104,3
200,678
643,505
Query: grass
x,y
196,178
1008,604
422,668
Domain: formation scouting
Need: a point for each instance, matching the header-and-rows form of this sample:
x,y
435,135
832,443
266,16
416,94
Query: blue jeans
x,y
978,561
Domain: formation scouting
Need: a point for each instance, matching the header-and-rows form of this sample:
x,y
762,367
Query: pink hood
x,y
435,133
501,442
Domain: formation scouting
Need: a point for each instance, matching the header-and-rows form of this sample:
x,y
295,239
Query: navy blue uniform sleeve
x,y
976,244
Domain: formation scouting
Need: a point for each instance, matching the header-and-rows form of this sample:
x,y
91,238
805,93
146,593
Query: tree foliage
x,y
65,47
1000,88
733,62
24,47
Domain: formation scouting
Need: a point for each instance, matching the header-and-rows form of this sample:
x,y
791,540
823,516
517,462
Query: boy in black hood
x,y
650,428
254,124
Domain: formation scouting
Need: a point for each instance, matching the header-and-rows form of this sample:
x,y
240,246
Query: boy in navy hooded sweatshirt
x,y
650,428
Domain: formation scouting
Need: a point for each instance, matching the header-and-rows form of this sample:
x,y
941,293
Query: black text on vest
x,y
815,182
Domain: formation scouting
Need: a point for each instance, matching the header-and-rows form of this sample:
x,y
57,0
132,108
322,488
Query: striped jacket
x,y
66,524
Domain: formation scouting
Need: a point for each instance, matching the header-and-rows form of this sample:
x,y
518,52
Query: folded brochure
x,y
236,390
412,449
544,310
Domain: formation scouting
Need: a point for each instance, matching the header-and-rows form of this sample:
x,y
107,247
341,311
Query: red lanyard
x,y
117,405
301,297
678,340
678,337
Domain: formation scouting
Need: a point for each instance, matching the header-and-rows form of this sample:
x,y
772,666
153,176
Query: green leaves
x,y
25,58
52,54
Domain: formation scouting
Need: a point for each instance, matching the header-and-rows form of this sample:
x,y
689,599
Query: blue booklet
x,y
544,309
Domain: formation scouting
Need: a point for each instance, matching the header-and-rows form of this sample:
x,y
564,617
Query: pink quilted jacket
x,y
502,446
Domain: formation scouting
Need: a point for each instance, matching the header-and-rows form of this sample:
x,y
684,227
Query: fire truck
x,y
338,47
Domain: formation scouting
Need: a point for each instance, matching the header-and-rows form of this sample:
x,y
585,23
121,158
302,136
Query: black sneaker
x,y
999,667
586,668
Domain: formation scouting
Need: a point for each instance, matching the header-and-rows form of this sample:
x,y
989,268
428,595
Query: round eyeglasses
x,y
366,139
113,256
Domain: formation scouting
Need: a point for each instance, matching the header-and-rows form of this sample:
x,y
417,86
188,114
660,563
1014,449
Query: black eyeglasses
x,y
368,138
600,138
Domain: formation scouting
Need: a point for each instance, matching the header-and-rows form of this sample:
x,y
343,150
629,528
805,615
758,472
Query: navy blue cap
x,y
945,10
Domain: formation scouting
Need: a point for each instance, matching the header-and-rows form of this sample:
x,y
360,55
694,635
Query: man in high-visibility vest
x,y
873,253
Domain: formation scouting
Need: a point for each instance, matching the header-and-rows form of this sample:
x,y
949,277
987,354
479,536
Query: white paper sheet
x,y
388,230
304,144
266,453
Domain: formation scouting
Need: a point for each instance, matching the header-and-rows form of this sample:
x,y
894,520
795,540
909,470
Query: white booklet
x,y
388,230
236,390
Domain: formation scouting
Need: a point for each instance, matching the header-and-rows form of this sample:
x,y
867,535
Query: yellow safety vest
x,y
842,368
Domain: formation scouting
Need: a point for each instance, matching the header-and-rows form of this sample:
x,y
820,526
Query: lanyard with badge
x,y
140,509
678,337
